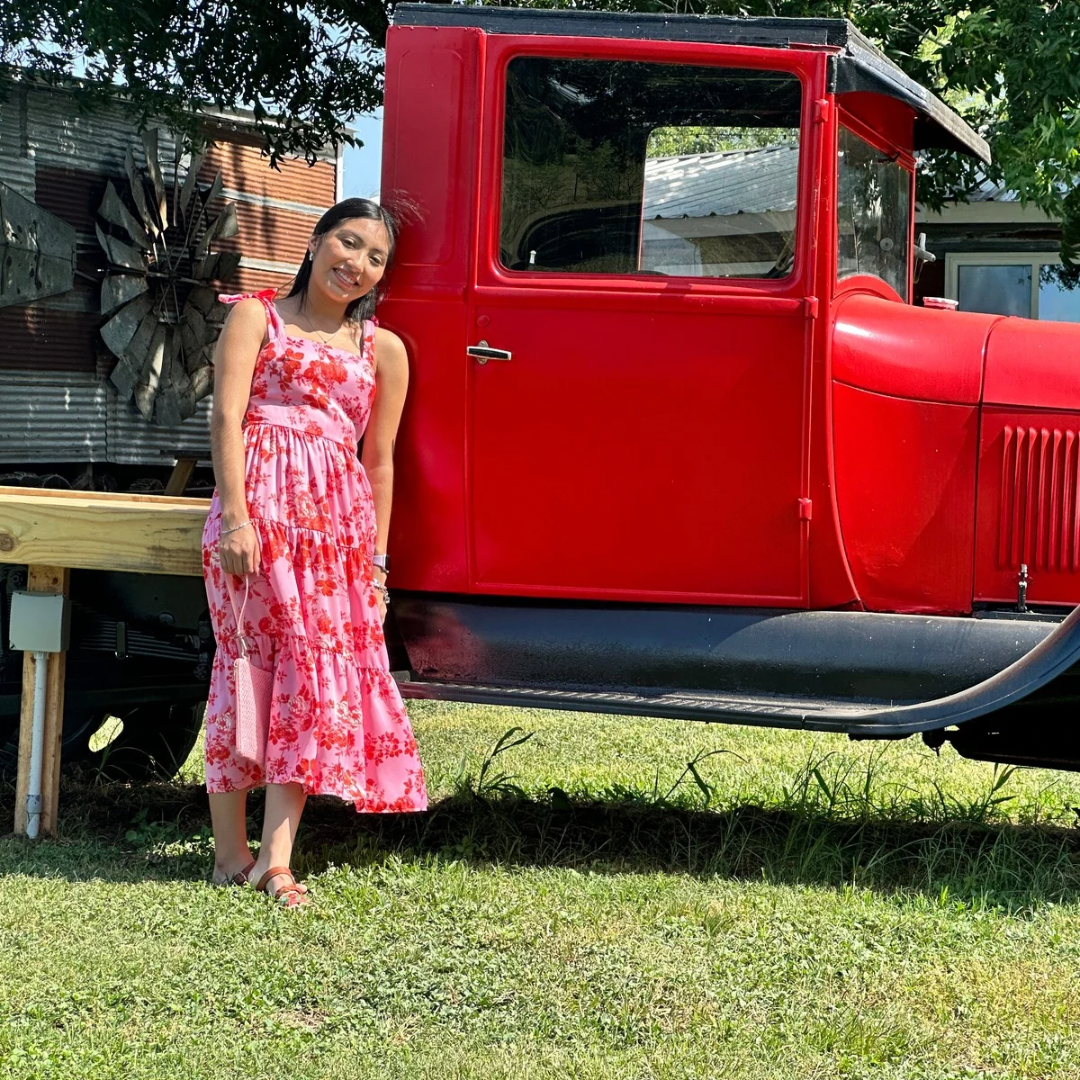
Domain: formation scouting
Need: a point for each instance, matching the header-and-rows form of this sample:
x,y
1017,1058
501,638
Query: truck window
x,y
624,167
874,213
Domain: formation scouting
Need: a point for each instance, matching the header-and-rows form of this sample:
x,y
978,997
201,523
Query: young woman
x,y
294,553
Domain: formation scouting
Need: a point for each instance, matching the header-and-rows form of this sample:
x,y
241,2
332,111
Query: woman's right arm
x,y
235,354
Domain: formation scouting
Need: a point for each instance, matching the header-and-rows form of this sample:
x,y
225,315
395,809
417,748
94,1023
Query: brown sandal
x,y
290,894
241,877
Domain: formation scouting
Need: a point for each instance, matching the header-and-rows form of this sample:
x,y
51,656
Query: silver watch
x,y
382,562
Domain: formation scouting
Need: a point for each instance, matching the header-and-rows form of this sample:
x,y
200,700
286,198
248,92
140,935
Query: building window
x,y
625,167
1033,286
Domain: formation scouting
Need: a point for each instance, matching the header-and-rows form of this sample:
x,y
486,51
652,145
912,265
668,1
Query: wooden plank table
x,y
53,532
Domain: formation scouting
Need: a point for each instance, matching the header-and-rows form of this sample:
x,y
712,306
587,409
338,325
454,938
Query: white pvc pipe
x,y
37,746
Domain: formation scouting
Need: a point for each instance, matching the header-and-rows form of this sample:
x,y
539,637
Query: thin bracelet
x,y
236,528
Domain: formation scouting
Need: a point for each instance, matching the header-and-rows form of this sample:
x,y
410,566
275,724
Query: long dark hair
x,y
363,307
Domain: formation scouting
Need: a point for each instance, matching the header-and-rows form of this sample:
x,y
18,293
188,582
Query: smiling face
x,y
350,259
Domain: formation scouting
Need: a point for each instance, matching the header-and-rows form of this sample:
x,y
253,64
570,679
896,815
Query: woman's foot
x,y
279,884
225,876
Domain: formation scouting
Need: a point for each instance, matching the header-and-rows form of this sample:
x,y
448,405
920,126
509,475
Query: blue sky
x,y
362,166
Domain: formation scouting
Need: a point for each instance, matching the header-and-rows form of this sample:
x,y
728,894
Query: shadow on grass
x,y
161,831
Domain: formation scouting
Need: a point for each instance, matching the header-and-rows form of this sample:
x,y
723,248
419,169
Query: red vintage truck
x,y
678,443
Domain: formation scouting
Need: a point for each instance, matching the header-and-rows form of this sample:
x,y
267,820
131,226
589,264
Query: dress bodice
x,y
308,385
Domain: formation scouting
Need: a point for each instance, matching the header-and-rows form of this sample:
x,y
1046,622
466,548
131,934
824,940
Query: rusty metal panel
x,y
279,236
37,251
245,169
40,338
276,209
16,164
51,417
132,441
248,280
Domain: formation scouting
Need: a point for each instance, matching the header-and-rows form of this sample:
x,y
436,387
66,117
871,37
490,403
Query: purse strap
x,y
241,643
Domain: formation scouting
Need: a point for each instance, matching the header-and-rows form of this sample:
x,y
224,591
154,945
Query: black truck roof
x,y
857,65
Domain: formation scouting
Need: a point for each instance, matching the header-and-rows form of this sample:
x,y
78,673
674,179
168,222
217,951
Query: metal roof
x,y
726,182
857,65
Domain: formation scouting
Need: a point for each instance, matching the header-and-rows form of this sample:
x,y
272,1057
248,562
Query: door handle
x,y
482,353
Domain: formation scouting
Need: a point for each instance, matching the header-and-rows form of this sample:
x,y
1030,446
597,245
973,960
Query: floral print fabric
x,y
337,722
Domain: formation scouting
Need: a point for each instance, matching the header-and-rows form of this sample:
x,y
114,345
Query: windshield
x,y
874,213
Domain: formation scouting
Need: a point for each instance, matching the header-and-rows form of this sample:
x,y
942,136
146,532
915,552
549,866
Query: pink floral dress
x,y
337,722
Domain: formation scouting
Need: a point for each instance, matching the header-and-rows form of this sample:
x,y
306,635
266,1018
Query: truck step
x,y
769,710
1032,676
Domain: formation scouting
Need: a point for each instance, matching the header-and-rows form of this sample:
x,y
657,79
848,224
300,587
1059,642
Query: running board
x,y
1049,659
694,705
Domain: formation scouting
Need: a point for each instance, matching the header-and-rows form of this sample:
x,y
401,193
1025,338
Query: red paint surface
x,y
1033,364
639,414
430,149
652,438
910,352
905,481
891,119
637,449
1028,498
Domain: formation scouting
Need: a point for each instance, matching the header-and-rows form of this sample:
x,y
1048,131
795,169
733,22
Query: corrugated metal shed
x,y
56,404
722,183
59,134
52,417
59,418
43,337
245,169
248,280
72,194
132,441
988,191
16,163
271,235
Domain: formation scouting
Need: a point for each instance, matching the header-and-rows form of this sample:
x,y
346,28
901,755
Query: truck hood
x,y
955,357
923,354
1034,365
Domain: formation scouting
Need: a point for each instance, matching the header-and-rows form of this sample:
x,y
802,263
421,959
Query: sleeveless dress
x,y
337,722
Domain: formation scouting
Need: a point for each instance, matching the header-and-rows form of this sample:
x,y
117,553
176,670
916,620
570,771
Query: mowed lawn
x,y
580,905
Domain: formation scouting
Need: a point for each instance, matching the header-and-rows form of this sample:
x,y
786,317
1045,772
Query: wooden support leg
x,y
51,579
181,474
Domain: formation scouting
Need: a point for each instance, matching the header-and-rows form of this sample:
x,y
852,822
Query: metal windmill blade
x,y
164,313
114,211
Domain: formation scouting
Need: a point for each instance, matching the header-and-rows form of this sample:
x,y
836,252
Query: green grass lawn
x,y
580,905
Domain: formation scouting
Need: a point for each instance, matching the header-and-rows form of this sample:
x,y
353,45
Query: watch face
x,y
382,562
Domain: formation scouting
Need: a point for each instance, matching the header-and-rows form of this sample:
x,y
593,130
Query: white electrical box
x,y
40,622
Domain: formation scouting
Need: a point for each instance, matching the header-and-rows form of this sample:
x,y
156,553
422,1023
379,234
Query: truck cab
x,y
677,442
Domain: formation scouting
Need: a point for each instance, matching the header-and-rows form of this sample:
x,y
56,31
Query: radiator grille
x,y
1040,500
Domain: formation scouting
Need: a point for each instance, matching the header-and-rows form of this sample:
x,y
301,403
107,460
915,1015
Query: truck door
x,y
638,372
